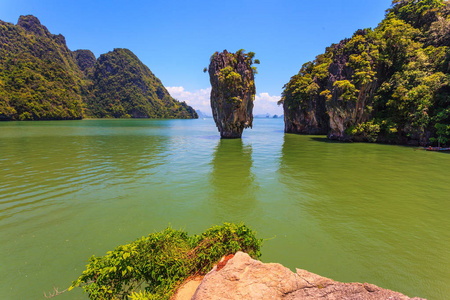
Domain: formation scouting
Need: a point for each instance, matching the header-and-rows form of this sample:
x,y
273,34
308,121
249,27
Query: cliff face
x,y
350,98
390,84
233,92
333,93
41,79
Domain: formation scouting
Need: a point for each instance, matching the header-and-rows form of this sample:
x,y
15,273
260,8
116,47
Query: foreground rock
x,y
245,278
232,92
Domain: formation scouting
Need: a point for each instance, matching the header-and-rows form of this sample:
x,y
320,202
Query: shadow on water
x,y
232,181
323,139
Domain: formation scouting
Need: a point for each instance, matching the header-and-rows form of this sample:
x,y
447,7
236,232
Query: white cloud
x,y
199,100
265,103
267,97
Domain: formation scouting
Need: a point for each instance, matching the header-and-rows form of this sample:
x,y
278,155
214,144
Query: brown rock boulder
x,y
245,278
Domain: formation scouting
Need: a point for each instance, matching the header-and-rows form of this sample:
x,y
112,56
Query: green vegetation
x,y
368,130
346,89
442,132
231,82
396,74
305,85
153,267
124,87
38,77
41,79
85,60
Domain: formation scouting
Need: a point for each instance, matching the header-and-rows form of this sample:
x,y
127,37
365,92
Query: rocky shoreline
x,y
241,277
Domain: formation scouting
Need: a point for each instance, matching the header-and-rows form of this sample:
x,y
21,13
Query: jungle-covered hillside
x,y
41,79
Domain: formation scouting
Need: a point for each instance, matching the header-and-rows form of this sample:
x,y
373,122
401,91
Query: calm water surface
x,y
352,212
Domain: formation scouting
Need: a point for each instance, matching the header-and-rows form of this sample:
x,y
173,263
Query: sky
x,y
175,39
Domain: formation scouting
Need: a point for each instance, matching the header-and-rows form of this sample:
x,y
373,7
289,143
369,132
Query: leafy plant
x,y
443,133
347,90
368,131
152,267
234,79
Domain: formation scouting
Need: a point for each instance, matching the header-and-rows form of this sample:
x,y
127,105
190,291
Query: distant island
x,y
41,79
266,116
202,115
389,85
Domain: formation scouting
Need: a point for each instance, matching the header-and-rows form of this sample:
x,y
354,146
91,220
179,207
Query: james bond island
x,y
232,80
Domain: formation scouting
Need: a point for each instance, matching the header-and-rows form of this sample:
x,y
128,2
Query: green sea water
x,y
351,212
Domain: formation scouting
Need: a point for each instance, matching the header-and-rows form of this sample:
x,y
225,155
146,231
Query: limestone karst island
x,y
314,167
233,91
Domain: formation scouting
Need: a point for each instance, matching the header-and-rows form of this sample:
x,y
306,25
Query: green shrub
x,y
368,130
153,267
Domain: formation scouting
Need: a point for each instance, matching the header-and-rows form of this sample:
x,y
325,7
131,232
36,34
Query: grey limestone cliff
x,y
233,92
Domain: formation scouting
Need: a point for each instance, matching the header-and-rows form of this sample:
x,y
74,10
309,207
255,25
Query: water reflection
x,y
232,181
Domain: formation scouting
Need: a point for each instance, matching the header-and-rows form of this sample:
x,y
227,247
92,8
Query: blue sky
x,y
176,38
